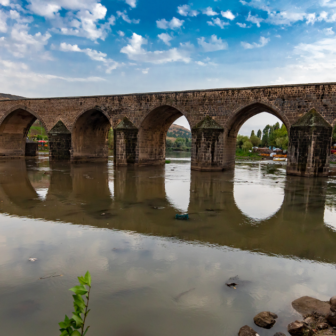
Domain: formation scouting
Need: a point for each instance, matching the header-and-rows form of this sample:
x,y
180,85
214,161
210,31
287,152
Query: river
x,y
273,235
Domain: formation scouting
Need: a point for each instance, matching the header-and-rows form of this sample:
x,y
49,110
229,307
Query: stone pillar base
x,y
59,142
31,148
207,146
125,143
309,146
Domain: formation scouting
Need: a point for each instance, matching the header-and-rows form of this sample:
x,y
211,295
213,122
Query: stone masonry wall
x,y
288,102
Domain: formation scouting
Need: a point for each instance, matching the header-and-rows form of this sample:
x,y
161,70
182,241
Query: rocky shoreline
x,y
319,318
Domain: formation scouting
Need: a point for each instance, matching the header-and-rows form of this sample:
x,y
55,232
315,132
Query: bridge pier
x,y
309,146
125,143
59,142
207,146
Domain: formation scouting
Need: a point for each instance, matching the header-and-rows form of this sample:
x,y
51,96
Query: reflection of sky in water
x,y
330,218
258,201
177,184
42,193
111,187
256,190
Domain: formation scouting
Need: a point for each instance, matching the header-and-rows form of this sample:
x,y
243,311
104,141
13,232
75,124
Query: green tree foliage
x,y
334,135
275,136
240,141
247,145
76,325
255,140
110,139
180,144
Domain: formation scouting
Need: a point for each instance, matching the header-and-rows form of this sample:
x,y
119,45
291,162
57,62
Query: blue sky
x,y
87,47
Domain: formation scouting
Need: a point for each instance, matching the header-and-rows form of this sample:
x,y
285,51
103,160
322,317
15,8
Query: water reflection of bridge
x,y
81,194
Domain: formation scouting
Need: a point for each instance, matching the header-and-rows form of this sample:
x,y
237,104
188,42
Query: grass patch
x,y
252,155
168,161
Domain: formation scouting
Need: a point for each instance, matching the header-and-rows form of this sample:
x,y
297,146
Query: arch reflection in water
x,y
144,203
177,181
257,197
330,209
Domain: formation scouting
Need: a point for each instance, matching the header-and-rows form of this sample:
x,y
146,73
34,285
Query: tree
x,y
334,135
247,145
169,144
265,140
271,136
259,134
255,140
252,134
240,140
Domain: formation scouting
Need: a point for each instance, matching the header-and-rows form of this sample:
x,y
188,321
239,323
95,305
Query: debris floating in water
x,y
51,276
232,284
182,217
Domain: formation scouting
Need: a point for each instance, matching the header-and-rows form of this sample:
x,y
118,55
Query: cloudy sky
x,y
88,47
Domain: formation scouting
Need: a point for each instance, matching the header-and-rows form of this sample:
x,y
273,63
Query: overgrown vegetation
x,y
111,139
76,325
37,132
271,136
180,144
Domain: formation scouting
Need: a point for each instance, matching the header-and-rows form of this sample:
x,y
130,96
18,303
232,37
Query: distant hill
x,y
176,131
5,96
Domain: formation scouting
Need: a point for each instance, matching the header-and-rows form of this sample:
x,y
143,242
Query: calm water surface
x,y
154,275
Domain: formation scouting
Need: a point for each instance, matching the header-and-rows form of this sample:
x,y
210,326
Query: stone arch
x,y
14,127
237,119
89,135
152,134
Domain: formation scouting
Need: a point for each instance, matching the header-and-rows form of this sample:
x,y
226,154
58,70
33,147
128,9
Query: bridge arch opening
x,y
239,119
15,129
89,140
152,138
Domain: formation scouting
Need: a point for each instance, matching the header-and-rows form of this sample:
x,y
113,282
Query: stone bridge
x,y
78,126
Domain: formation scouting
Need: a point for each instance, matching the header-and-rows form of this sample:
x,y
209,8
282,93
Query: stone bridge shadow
x,y
135,200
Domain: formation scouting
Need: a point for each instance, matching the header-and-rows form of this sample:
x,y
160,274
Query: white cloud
x,y
228,15
217,22
132,3
4,2
263,41
328,3
209,11
136,52
82,19
166,38
284,18
21,44
254,19
214,44
174,23
144,71
328,31
93,54
121,33
315,62
185,10
125,17
320,50
3,22
242,25
17,76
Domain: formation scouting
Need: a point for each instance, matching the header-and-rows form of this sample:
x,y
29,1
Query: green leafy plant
x,y
76,325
